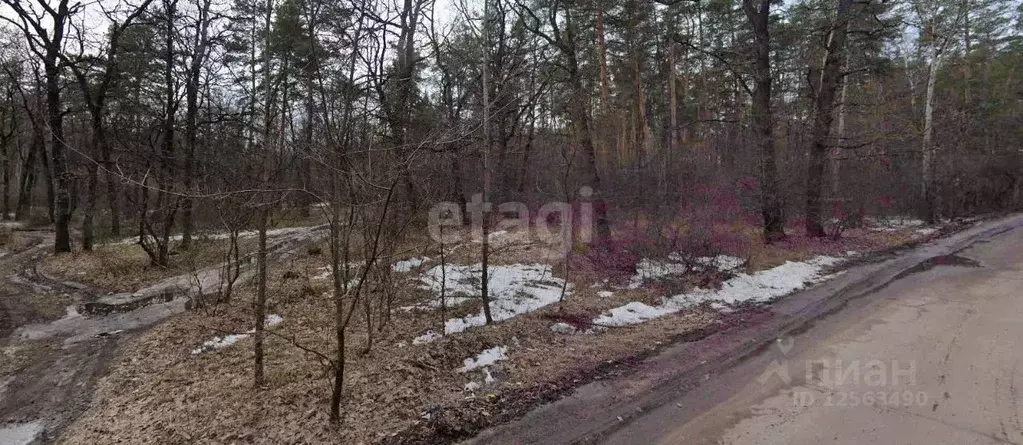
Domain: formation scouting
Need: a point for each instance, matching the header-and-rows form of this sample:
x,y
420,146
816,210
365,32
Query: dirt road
x,y
52,352
925,347
44,384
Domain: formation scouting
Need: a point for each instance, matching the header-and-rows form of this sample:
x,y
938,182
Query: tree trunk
x,y
191,137
92,191
28,177
98,147
672,101
580,120
7,171
758,14
63,177
830,77
836,153
930,210
45,158
113,197
605,89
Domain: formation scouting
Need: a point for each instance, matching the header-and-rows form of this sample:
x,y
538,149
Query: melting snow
x,y
228,340
648,269
759,287
514,290
409,264
20,433
895,223
563,328
353,267
426,338
227,235
486,358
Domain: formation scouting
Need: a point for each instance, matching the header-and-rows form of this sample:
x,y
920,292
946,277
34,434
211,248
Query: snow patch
x,y
721,307
648,269
895,223
354,268
429,336
605,294
486,358
226,235
724,263
563,328
230,339
72,312
20,433
758,287
409,265
513,290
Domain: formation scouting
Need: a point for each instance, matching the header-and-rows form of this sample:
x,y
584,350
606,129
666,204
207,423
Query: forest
x,y
221,132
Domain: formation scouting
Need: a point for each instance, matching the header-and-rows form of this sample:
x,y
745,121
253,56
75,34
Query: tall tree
x,y
47,44
559,29
824,90
758,14
95,93
937,21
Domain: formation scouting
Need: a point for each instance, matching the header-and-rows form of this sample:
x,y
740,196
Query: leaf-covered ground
x,y
160,392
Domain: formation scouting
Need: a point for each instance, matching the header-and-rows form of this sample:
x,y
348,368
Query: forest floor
x,y
124,266
51,353
189,379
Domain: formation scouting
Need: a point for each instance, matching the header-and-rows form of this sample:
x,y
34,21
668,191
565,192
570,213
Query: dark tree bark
x,y
7,134
824,106
578,107
758,14
45,31
199,47
55,119
44,158
167,201
95,101
28,177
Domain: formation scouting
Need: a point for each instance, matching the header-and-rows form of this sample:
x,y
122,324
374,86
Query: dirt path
x,y
51,355
43,384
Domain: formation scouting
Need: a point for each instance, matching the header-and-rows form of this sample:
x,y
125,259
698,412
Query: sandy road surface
x,y
934,358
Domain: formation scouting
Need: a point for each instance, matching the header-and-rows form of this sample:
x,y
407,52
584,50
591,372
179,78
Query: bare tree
x,y
48,45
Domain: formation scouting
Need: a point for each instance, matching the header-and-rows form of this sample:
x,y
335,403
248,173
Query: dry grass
x,y
161,393
123,267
